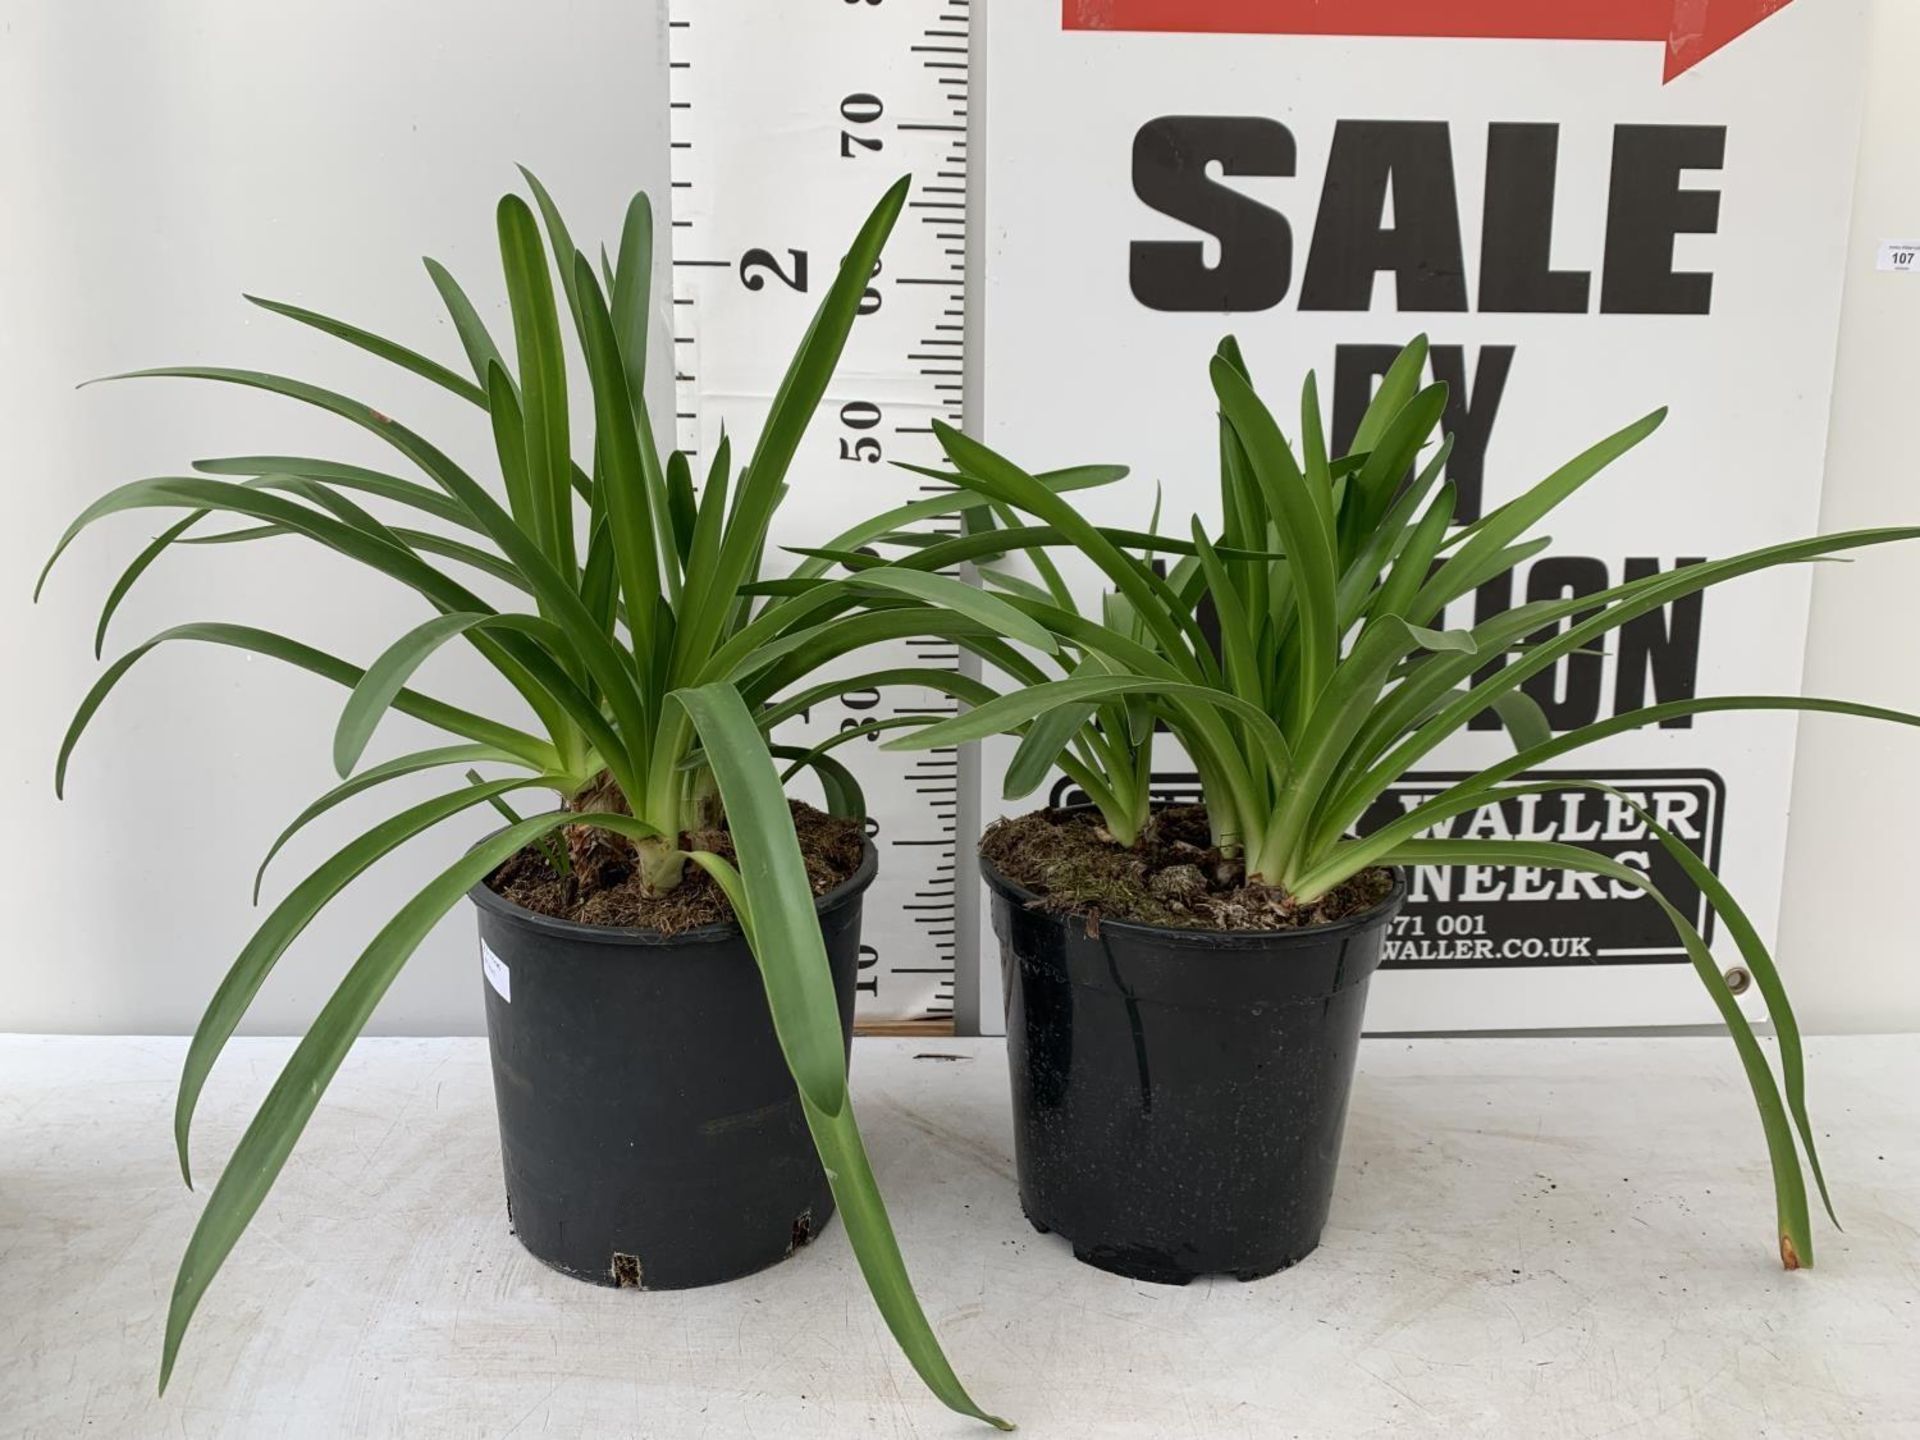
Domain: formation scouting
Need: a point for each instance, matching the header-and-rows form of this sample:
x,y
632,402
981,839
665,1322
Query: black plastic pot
x,y
1179,1095
649,1129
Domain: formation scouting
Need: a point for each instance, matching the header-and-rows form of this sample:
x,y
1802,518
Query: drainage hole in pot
x,y
626,1271
802,1229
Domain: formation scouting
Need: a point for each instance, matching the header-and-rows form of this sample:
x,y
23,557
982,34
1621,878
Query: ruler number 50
x,y
860,415
859,109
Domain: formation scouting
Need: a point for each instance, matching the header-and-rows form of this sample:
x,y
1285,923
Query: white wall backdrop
x,y
155,161
1846,945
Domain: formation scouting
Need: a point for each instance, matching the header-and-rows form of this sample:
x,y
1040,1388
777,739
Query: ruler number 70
x,y
859,109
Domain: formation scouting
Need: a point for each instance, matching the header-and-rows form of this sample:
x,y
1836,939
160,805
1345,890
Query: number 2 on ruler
x,y
787,123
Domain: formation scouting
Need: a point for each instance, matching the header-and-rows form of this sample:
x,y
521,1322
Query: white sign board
x,y
1591,213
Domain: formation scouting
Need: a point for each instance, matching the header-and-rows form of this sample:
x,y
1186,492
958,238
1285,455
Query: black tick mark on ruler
x,y
916,342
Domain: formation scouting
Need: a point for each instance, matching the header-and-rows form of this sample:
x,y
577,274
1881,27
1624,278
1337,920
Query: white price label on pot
x,y
497,973
1899,256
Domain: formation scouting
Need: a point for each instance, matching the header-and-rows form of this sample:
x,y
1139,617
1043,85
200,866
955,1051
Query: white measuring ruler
x,y
788,123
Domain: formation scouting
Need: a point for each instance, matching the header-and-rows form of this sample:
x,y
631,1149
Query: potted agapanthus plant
x,y
1185,985
669,978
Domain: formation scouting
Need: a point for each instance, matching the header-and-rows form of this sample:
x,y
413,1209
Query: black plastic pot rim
x,y
1189,938
721,930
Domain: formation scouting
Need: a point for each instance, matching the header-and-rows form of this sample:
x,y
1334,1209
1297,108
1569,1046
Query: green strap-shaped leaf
x,y
1525,722
629,485
1244,511
1745,937
376,345
1353,856
631,290
275,469
1400,590
1015,585
771,895
963,687
599,582
289,918
959,502
558,238
1237,643
1302,517
683,508
1790,1191
1049,738
1429,684
603,350
710,593
1000,715
1390,461
804,755
394,769
1315,464
940,552
1387,539
1512,520
1397,387
710,520
1005,518
838,784
387,676
276,1128
767,667
555,591
1766,975
1616,607
1410,704
993,475
1335,719
353,533
510,449
482,353
759,820
427,542
956,595
543,380
1211,746
149,553
533,752
1040,749
1465,580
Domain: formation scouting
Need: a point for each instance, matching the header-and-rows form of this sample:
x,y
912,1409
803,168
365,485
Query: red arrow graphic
x,y
1691,29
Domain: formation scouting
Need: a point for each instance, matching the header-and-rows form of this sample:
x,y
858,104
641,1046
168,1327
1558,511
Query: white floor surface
x,y
1531,1238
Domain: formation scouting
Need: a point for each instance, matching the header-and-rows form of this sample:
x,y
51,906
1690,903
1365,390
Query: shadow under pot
x,y
650,1132
1179,1095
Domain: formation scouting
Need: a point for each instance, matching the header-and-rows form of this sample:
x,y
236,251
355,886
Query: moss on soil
x,y
1172,876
